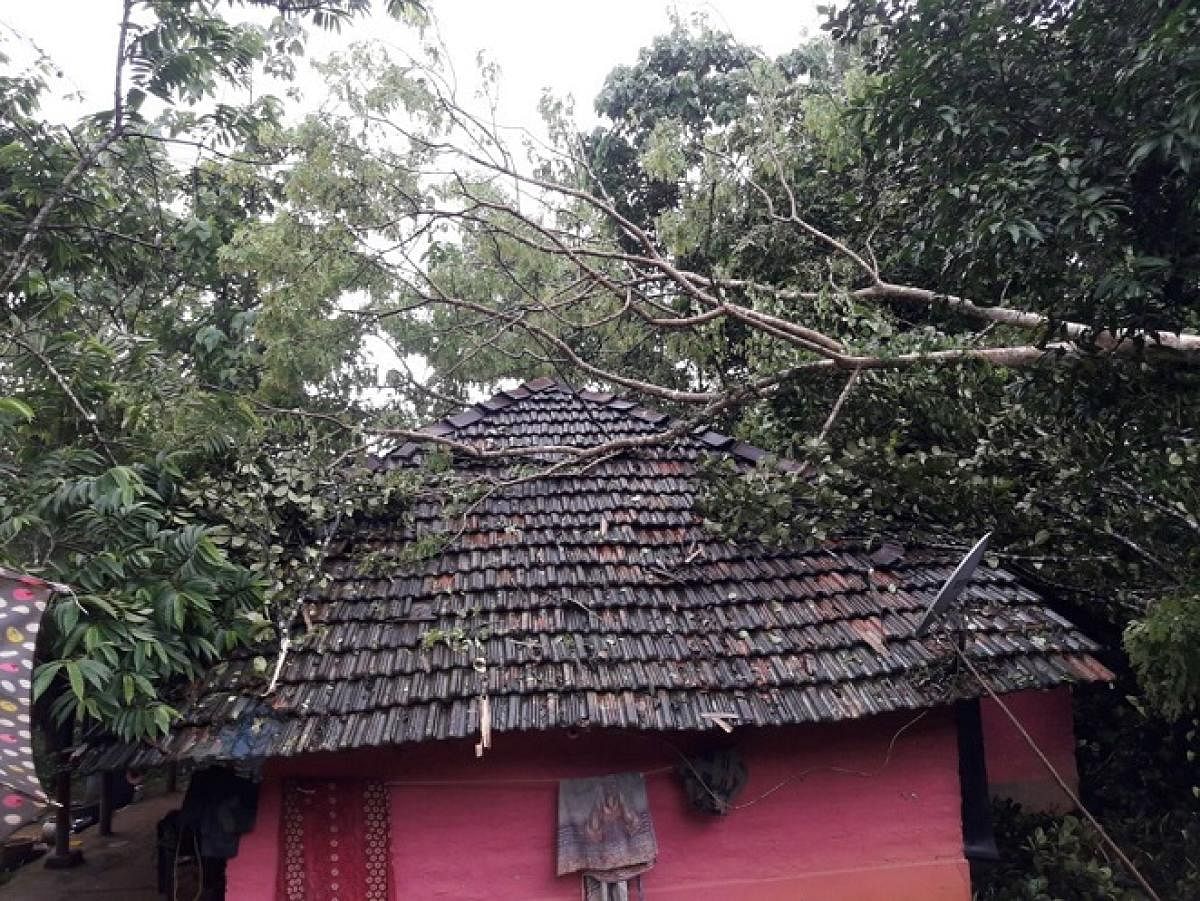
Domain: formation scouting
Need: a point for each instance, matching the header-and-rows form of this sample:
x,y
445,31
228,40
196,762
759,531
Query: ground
x,y
119,867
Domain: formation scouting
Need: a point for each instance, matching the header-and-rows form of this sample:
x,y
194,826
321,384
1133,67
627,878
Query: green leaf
x,y
96,673
15,409
44,676
75,676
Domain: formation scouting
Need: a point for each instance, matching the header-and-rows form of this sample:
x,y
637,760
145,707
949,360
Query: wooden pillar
x,y
979,841
63,857
106,803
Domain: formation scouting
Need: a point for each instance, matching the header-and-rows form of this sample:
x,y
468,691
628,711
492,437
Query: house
x,y
586,623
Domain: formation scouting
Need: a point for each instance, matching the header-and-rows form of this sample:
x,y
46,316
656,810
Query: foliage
x,y
145,342
687,83
1140,775
1164,648
1084,470
154,597
1045,858
781,508
1063,134
183,390
1041,460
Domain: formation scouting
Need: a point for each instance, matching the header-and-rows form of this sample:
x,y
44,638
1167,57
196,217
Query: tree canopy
x,y
148,335
945,254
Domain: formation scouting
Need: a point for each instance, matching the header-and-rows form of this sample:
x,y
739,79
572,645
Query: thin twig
x,y
837,405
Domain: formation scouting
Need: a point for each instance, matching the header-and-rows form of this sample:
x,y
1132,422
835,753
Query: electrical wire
x,y
794,777
199,866
1062,783
1045,761
461,783
658,771
175,867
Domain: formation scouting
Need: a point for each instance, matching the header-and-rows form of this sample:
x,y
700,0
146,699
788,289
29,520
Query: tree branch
x,y
20,258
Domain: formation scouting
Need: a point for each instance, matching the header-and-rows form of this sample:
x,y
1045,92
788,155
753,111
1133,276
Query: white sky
x,y
565,45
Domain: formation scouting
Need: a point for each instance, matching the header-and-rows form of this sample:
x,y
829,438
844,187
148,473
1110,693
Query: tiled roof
x,y
598,598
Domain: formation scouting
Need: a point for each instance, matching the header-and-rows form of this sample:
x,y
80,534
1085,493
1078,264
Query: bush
x,y
1047,858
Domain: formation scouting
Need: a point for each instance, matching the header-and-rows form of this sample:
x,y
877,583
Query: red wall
x,y
1014,771
891,834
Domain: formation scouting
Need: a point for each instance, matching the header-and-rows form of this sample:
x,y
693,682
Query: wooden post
x,y
63,857
62,820
979,840
106,804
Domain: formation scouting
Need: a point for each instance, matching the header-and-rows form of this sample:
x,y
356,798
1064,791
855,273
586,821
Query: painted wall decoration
x,y
336,842
23,599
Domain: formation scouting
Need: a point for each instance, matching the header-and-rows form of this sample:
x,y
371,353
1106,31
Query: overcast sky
x,y
565,45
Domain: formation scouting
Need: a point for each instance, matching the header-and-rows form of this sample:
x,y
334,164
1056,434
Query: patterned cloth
x,y
335,838
604,830
22,601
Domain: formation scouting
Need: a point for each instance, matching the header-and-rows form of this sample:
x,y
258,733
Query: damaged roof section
x,y
596,597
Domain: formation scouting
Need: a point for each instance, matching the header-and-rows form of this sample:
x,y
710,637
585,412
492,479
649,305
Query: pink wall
x,y
891,835
1014,771
251,875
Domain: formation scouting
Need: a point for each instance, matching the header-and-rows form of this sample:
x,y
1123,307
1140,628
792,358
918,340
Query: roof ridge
x,y
480,410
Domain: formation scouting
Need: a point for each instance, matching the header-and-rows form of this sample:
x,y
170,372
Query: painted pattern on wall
x,y
23,599
336,842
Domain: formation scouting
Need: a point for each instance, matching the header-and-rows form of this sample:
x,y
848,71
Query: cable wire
x,y
1062,783
865,774
482,783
